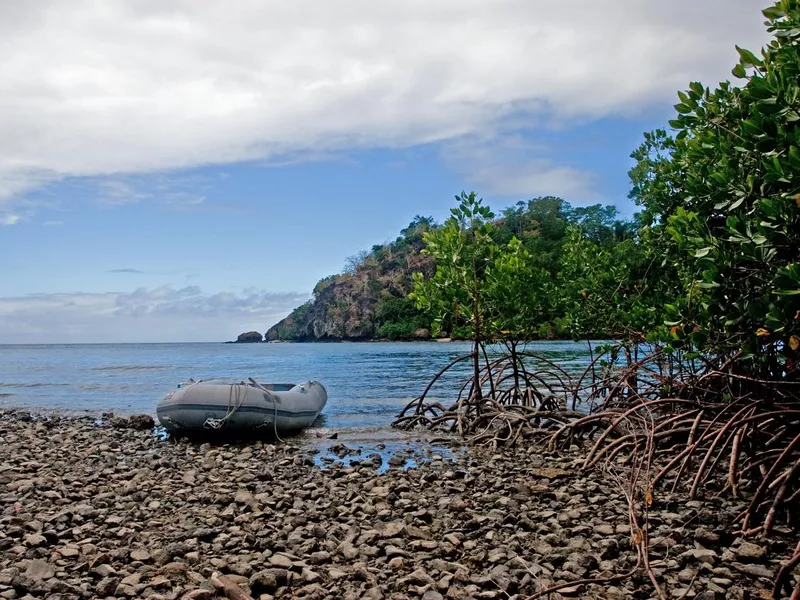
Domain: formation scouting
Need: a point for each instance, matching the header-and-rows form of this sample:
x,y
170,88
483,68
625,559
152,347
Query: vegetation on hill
x,y
372,297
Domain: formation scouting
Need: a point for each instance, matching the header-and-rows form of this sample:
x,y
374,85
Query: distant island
x,y
249,337
370,299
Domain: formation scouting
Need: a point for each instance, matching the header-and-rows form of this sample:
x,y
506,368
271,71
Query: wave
x,y
131,368
33,385
100,387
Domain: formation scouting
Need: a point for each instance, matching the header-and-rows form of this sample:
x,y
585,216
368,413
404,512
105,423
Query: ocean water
x,y
367,383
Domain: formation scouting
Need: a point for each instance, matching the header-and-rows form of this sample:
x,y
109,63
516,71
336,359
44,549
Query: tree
x,y
722,193
352,263
463,248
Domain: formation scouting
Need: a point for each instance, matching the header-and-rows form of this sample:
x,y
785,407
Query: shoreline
x,y
91,511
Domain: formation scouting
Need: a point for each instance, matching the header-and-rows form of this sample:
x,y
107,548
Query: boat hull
x,y
241,407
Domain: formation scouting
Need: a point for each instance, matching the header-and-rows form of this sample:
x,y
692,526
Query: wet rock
x,y
141,422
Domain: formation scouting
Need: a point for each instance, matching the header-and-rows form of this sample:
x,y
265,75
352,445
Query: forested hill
x,y
370,299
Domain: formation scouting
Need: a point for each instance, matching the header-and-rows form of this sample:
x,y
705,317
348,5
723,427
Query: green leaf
x,y
739,71
773,13
702,252
748,58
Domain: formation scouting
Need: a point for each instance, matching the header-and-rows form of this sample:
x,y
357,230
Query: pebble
x,y
114,511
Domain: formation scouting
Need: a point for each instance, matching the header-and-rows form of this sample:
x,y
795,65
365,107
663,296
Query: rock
x,y
281,561
124,589
348,550
250,337
748,551
140,554
754,570
393,529
321,557
548,473
244,496
392,551
104,570
198,594
106,586
310,576
603,529
35,539
140,422
420,577
702,555
39,570
265,581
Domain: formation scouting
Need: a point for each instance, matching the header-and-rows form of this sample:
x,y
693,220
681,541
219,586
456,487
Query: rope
x,y
235,401
274,406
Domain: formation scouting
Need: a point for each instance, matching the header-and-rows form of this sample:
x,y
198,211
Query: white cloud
x,y
510,165
101,88
10,218
113,192
144,315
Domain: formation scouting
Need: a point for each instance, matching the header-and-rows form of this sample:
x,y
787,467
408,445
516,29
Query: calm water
x,y
367,383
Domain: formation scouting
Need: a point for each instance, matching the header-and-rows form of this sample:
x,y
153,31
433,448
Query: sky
x,y
187,170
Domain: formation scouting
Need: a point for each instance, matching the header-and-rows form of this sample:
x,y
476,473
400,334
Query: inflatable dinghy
x,y
216,405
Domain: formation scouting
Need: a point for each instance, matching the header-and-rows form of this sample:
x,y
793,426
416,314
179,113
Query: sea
x,y
368,383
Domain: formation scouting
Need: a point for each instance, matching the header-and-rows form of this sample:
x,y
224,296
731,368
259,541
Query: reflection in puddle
x,y
382,456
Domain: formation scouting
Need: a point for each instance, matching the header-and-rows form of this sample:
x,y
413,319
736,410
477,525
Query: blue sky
x,y
186,170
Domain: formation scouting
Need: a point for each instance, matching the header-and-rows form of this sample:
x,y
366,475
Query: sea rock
x,y
250,337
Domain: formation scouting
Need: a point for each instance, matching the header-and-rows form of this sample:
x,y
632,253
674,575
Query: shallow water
x,y
367,383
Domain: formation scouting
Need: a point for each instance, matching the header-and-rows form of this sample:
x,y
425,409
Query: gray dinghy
x,y
205,406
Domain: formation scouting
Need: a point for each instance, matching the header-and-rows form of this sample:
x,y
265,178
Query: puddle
x,y
382,456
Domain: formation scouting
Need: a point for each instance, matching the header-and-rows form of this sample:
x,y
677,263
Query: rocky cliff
x,y
369,301
342,311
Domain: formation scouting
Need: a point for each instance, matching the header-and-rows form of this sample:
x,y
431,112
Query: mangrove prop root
x,y
693,425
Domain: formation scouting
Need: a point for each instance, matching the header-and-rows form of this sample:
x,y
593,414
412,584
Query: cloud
x,y
92,89
511,165
113,192
144,315
10,218
132,271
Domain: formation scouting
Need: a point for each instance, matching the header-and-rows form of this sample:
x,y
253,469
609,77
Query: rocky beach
x,y
92,509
